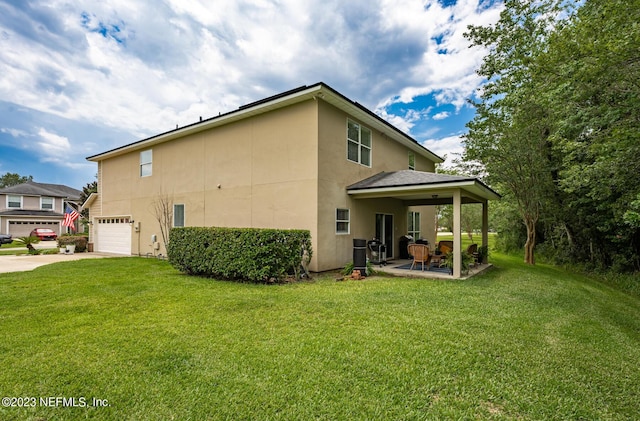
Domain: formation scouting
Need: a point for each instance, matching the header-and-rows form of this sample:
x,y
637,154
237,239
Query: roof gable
x,y
406,178
414,184
31,188
319,91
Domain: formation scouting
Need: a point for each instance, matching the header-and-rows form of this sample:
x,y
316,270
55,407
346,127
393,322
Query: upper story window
x,y
358,143
14,202
178,215
46,203
146,162
412,161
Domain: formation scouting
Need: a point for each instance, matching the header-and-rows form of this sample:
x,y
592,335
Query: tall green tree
x,y
86,192
13,179
558,124
510,132
592,91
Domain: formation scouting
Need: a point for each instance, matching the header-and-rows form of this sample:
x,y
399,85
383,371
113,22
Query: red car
x,y
44,234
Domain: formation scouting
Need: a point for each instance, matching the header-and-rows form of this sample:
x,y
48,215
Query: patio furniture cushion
x,y
445,246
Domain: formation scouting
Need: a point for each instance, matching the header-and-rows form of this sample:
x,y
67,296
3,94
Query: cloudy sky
x,y
82,77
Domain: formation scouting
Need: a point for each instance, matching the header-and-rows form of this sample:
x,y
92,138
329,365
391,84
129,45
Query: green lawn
x,y
515,343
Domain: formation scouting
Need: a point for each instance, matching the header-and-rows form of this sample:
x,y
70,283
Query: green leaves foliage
x,y
80,241
13,179
558,122
246,254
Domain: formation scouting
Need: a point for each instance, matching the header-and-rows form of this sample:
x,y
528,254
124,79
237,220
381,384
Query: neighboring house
x,y
308,158
31,205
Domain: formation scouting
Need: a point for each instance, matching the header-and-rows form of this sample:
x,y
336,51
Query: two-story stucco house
x,y
308,158
31,205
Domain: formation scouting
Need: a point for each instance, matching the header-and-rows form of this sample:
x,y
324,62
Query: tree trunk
x,y
530,244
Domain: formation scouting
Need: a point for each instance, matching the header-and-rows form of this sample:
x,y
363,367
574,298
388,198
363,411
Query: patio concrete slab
x,y
26,262
392,268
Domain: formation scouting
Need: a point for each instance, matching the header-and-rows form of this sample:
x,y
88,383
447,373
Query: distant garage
x,y
24,228
113,235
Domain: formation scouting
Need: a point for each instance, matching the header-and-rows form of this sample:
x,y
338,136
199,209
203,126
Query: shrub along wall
x,y
248,254
79,240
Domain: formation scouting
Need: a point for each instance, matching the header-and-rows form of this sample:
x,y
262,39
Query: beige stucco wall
x,y
259,172
286,168
336,172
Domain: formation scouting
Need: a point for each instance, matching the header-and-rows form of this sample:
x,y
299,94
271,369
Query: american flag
x,y
70,216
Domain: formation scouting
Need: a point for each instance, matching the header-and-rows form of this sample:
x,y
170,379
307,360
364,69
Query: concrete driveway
x,y
26,262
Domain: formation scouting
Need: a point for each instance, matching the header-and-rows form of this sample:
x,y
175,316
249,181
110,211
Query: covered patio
x,y
400,267
417,188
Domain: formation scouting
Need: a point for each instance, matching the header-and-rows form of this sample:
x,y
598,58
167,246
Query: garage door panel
x,y
24,228
113,235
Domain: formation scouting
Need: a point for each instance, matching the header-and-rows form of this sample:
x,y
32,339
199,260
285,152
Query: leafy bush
x,y
464,264
80,242
348,269
250,254
483,253
28,242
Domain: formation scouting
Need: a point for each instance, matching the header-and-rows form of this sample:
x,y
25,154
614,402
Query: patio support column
x,y
485,227
457,234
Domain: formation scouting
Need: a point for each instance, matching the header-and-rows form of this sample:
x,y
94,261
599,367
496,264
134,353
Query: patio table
x,y
436,259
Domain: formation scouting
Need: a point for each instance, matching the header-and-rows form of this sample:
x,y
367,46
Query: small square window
x,y
342,221
46,203
14,202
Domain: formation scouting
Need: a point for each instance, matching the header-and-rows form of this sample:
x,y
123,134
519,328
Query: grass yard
x,y
152,344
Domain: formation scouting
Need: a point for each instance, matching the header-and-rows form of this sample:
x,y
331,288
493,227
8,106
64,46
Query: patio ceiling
x,y
417,188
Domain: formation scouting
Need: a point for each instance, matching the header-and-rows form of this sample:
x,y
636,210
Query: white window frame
x,y
358,142
412,160
341,220
146,163
176,205
411,223
9,196
42,200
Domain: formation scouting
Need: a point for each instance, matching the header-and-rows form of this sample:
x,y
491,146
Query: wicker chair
x,y
420,253
472,250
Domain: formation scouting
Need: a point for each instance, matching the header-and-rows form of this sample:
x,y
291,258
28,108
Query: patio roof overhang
x,y
417,188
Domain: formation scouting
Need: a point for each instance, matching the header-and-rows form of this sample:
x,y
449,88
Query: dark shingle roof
x,y
31,212
31,188
315,91
406,178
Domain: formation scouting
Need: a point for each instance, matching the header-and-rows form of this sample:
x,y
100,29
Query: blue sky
x,y
82,77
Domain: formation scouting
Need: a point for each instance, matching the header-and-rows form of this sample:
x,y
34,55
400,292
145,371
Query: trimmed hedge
x,y
79,240
246,254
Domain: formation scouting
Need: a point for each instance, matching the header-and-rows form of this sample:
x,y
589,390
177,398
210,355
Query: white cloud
x,y
441,116
160,59
404,122
449,148
52,145
446,68
143,67
14,132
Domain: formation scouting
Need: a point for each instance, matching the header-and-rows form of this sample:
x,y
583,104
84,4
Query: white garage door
x,y
113,235
24,228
